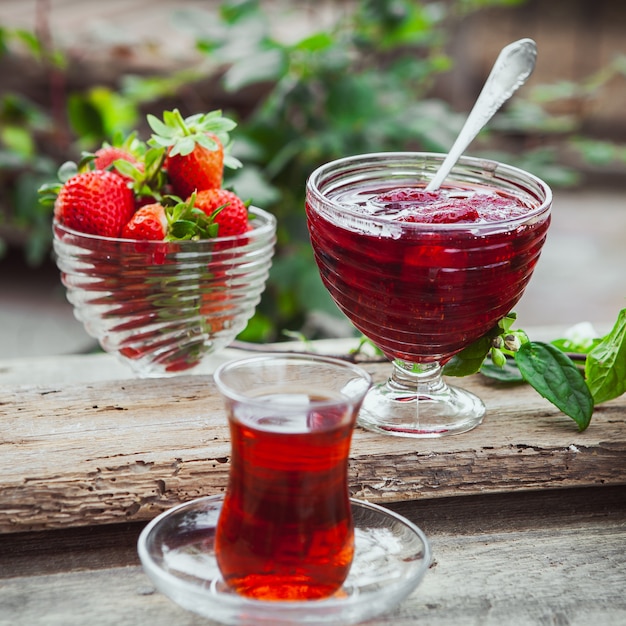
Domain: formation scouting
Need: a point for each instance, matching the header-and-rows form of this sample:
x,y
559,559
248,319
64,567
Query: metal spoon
x,y
513,66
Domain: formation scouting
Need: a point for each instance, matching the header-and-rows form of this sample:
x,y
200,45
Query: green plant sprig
x,y
509,355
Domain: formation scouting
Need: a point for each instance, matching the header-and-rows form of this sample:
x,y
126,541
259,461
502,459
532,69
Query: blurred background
x,y
309,81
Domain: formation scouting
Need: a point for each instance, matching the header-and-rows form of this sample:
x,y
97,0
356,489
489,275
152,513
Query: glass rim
x,y
266,228
332,170
238,396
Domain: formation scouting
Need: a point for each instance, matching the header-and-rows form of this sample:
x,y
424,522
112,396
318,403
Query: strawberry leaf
x,y
554,376
154,176
192,120
86,159
67,170
183,147
181,230
181,136
185,221
215,121
162,142
161,129
232,162
205,141
48,193
175,120
221,125
212,230
128,169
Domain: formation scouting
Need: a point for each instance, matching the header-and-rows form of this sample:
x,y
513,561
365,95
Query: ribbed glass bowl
x,y
164,306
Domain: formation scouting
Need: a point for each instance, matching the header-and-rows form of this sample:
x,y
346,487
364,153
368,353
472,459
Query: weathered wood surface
x,y
526,516
529,558
115,451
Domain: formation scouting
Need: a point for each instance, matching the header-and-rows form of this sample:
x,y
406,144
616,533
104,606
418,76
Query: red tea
x,y
434,272
285,531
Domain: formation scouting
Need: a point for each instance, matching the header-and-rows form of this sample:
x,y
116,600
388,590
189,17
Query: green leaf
x,y
259,329
19,140
232,162
205,141
192,120
469,360
605,367
153,160
174,120
554,376
84,116
506,322
156,141
580,338
30,39
115,111
183,147
508,374
216,124
597,153
159,127
315,43
67,170
127,168
181,229
556,91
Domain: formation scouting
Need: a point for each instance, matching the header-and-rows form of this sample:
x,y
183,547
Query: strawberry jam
x,y
423,274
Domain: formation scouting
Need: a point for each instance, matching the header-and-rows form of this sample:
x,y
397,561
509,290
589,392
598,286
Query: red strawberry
x,y
107,155
427,207
452,214
445,214
96,202
148,223
407,196
195,147
225,209
216,308
200,169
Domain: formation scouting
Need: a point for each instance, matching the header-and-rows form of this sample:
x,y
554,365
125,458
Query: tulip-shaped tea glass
x,y
420,291
286,531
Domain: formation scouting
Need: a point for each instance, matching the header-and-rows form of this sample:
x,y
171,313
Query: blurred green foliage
x,y
363,85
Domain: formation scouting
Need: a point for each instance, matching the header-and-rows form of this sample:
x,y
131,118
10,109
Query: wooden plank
x,y
115,545
116,451
560,564
472,582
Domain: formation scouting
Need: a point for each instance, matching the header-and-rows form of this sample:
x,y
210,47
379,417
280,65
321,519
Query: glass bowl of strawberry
x,y
161,281
164,306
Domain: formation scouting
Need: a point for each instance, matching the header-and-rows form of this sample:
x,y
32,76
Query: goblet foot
x,y
417,402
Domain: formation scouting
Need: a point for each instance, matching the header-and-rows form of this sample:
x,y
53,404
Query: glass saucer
x,y
176,551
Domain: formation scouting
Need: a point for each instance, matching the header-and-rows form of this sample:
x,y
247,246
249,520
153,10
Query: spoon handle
x,y
513,66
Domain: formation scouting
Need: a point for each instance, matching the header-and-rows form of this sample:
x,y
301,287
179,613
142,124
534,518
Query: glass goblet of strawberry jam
x,y
424,274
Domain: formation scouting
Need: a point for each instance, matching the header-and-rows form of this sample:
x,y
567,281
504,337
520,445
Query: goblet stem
x,y
417,402
424,380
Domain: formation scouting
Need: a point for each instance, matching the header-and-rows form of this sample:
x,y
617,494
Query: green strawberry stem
x,y
178,119
180,135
